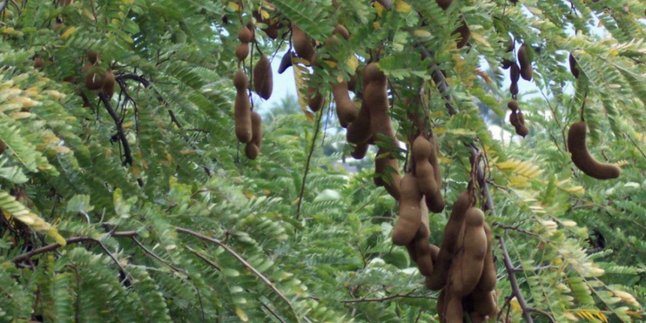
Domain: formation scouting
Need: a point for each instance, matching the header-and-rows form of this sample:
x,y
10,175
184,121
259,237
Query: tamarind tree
x,y
140,183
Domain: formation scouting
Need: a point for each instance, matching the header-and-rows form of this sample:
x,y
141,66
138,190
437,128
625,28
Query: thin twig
x,y
307,165
120,132
514,283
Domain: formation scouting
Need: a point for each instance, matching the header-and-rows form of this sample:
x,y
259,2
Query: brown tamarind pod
x,y
466,267
240,80
360,130
487,281
581,156
285,62
242,51
574,68
251,150
387,174
314,99
522,130
372,73
256,129
39,63
513,88
526,70
483,305
360,150
514,73
513,119
345,108
92,57
465,34
506,63
375,97
438,278
341,30
303,44
441,303
245,35
242,113
453,312
262,78
410,216
513,105
444,4
108,83
93,79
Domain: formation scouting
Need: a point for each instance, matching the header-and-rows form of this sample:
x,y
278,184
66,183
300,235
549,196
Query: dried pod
x,y
422,248
39,63
466,267
513,119
487,281
387,174
245,35
360,130
513,88
410,215
581,156
251,150
449,242
483,305
345,108
314,99
526,70
108,84
240,80
341,30
522,130
360,150
453,312
285,62
574,68
513,105
303,44
465,35
242,51
514,73
242,113
506,63
263,78
372,73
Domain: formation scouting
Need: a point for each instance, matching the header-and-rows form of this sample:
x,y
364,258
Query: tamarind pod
x,y
262,78
421,148
438,278
444,4
513,119
341,30
425,177
525,62
251,150
466,267
303,44
256,129
39,63
441,303
483,304
434,160
574,68
465,35
422,248
435,201
581,156
242,51
506,63
360,130
242,114
314,99
513,88
424,155
285,62
93,80
383,165
240,80
487,281
522,131
391,180
245,35
510,44
514,73
410,215
108,84
375,96
513,105
453,311
360,150
345,109
92,57
372,73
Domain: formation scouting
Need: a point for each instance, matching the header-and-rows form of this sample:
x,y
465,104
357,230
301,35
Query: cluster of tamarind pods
x,y
248,123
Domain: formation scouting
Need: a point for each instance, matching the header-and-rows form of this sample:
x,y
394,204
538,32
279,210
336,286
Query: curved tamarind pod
x,y
410,216
345,108
375,97
514,73
256,129
360,150
251,150
483,305
285,62
487,281
513,119
341,30
505,64
453,311
245,35
314,99
424,154
108,84
449,242
466,267
242,51
240,80
360,130
574,68
303,44
465,35
387,175
581,156
513,88
423,250
263,82
513,105
526,70
242,114
444,4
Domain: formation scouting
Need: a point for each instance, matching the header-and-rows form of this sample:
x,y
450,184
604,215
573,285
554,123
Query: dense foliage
x,y
142,206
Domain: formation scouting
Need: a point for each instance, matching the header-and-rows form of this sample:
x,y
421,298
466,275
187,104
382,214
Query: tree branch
x,y
514,283
122,135
440,81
